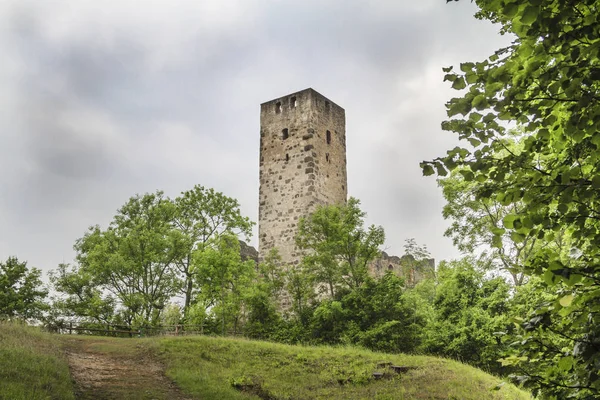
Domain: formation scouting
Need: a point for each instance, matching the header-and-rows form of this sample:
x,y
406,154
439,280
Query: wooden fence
x,y
88,328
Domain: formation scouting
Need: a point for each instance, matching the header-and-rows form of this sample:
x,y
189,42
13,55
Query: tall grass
x,y
32,366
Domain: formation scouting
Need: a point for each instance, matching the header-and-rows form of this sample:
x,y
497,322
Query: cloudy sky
x,y
100,100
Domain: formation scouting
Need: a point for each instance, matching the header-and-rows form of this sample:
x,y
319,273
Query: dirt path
x,y
115,369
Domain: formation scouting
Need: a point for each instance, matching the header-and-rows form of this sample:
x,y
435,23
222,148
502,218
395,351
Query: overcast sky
x,y
100,100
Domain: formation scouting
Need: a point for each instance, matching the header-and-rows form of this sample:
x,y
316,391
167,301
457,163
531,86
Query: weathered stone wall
x,y
248,252
301,166
404,267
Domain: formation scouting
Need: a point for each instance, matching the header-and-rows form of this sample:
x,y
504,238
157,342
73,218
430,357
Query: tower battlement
x,y
302,165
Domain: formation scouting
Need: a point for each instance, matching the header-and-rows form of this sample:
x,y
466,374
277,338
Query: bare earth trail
x,y
117,369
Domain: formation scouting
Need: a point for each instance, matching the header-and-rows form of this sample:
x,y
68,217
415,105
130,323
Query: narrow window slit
x,y
328,134
285,133
278,107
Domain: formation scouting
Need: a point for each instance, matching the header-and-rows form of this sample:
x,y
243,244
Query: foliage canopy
x,y
21,291
547,84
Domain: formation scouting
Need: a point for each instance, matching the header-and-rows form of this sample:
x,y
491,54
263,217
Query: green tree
x,y
21,291
133,259
201,216
299,285
223,279
80,297
547,84
273,273
374,315
468,312
477,227
338,247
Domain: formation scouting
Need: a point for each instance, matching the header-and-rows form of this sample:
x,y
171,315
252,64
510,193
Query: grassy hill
x,y
32,366
219,368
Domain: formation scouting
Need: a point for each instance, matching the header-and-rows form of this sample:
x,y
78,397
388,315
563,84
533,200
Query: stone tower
x,y
302,165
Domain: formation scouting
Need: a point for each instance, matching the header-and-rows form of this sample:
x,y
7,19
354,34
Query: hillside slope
x,y
218,368
33,367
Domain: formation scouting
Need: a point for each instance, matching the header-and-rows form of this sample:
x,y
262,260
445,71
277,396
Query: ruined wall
x,y
302,165
404,267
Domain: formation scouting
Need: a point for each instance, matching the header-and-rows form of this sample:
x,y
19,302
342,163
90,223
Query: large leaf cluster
x,y
338,248
546,83
21,291
468,311
153,249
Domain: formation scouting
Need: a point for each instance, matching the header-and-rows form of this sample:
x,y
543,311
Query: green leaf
x,y
467,175
466,67
479,102
459,83
566,363
441,170
427,170
517,237
530,15
574,279
548,277
509,220
566,300
596,182
471,77
511,10
498,231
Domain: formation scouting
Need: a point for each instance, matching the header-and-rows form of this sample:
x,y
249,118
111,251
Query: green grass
x,y
217,368
32,365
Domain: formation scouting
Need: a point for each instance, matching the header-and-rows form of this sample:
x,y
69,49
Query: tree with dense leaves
x,y
21,291
338,247
477,227
80,297
223,279
133,260
547,84
468,309
374,315
202,215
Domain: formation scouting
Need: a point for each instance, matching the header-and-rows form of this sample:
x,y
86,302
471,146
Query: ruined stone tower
x,y
302,165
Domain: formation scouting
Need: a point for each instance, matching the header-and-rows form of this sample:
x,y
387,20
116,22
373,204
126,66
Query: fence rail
x,y
77,327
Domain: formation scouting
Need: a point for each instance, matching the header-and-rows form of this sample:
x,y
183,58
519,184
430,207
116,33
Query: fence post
x,y
70,328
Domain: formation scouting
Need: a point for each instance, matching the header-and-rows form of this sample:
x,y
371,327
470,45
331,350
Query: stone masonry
x,y
302,165
406,267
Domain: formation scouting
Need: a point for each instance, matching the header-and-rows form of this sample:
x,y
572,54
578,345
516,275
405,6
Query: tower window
x,y
293,102
285,134
287,157
278,107
328,137
390,267
327,157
